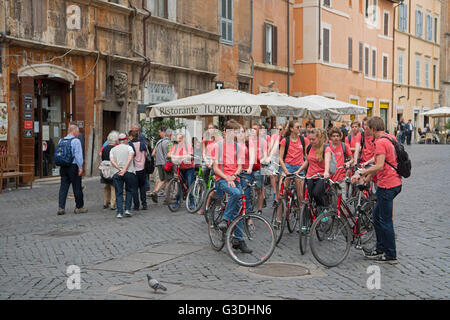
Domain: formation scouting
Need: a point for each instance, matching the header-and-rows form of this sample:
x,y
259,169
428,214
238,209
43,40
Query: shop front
x,y
45,95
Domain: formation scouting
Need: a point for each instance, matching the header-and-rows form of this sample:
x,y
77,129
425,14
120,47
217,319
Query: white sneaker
x,y
127,214
119,216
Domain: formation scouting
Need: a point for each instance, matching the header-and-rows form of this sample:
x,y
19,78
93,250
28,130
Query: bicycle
x,y
307,216
197,191
334,231
288,206
254,228
177,191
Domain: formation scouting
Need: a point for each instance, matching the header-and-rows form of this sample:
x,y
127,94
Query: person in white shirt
x,y
121,158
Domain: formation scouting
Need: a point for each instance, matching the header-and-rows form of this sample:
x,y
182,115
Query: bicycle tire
x,y
367,227
174,198
216,236
292,219
198,188
279,232
208,194
261,240
304,228
329,229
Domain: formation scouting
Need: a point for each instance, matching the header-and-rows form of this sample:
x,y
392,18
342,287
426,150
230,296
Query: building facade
x,y
417,60
344,51
444,96
64,61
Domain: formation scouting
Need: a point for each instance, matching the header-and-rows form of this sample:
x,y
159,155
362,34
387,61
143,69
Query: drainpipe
x,y
320,26
147,60
251,45
288,46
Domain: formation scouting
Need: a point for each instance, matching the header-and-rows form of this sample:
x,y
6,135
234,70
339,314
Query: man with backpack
x,y
69,156
391,164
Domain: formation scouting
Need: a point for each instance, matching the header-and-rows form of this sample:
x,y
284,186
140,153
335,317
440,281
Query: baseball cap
x,y
122,137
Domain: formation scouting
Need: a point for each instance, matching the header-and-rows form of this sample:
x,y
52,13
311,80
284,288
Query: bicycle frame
x,y
183,183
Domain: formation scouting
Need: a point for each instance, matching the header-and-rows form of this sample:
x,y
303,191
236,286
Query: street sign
x,y
44,145
28,115
28,124
219,85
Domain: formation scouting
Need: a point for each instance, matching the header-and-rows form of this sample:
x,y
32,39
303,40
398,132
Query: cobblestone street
x,y
114,255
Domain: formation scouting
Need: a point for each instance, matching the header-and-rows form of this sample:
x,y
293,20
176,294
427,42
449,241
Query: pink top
x,y
181,150
354,139
369,149
295,151
340,159
139,159
229,162
314,166
387,177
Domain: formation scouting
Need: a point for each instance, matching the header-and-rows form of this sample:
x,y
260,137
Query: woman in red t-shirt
x,y
293,160
318,162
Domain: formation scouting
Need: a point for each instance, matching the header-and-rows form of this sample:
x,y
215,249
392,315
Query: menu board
x,y
3,122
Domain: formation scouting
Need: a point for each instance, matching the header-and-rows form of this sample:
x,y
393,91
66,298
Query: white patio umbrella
x,y
226,102
439,112
283,105
324,103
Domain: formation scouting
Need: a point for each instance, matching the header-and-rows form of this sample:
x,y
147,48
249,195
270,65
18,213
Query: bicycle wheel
x,y
195,196
330,239
257,233
214,213
367,236
292,218
304,226
174,196
211,195
280,227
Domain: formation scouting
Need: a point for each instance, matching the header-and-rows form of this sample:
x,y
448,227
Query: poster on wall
x,y
3,122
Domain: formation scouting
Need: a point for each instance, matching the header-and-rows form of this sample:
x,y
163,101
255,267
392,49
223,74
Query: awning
x,y
282,105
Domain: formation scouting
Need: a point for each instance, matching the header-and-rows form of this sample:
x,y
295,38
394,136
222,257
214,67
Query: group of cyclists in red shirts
x,y
252,153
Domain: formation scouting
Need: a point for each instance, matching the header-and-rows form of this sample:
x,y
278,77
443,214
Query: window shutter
x,y
366,61
360,57
274,45
386,24
385,66
374,63
350,53
326,45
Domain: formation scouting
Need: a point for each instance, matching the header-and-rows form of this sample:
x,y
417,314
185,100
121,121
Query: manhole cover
x,y
62,233
281,270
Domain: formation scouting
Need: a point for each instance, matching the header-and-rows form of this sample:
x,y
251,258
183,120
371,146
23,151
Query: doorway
x,y
50,123
110,123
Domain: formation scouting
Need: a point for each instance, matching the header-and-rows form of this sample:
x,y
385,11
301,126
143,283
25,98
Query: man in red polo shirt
x,y
389,186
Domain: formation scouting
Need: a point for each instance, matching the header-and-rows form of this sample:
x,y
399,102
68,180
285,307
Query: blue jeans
x,y
69,175
382,219
140,190
291,168
232,208
188,176
129,179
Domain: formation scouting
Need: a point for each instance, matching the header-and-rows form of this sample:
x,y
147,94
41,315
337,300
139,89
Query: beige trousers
x,y
109,196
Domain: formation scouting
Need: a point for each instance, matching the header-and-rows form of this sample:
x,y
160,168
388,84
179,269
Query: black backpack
x,y
404,163
286,147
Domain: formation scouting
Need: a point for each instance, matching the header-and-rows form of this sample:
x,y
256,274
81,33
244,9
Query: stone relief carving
x,y
120,87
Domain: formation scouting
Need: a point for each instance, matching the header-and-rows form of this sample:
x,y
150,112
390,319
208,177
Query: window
x,y
418,71
350,53
385,67
403,17
327,3
400,68
161,8
427,74
374,63
386,24
326,45
374,11
366,61
270,47
436,30
226,21
429,28
366,8
419,23
360,57
243,86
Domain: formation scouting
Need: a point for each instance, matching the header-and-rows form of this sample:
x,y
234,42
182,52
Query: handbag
x,y
168,166
149,163
105,168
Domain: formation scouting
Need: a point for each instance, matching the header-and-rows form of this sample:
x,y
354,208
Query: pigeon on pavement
x,y
154,284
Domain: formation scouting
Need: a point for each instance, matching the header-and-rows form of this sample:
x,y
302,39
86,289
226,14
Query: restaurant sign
x,y
205,110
